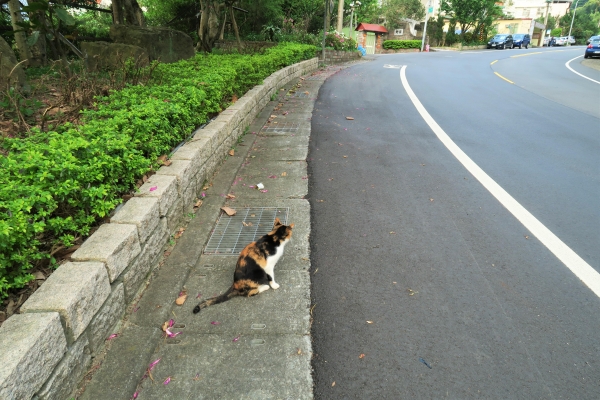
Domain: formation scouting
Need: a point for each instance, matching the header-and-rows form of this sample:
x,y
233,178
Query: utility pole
x,y
545,22
352,5
340,20
572,20
427,12
325,17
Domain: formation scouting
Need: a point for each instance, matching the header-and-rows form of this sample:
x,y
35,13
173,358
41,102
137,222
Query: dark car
x,y
521,39
501,41
592,49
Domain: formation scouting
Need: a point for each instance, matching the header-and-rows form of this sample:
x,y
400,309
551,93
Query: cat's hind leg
x,y
262,288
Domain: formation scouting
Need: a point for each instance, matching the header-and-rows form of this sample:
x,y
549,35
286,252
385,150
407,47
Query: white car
x,y
571,39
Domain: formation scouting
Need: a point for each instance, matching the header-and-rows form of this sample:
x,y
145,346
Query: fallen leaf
x,y
284,174
345,156
412,292
526,237
198,203
333,384
430,199
392,233
362,355
39,276
299,351
273,116
234,98
181,299
350,118
179,233
229,211
369,322
232,152
230,196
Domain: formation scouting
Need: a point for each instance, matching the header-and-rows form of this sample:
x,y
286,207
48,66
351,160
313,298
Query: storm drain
x,y
232,234
282,127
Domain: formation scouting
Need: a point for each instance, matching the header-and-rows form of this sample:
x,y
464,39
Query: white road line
x,y
576,264
572,70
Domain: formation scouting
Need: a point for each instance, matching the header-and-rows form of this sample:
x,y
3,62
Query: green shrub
x,y
56,185
401,44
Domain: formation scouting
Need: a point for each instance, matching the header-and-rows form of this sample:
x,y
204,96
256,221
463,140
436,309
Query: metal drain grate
x,y
282,127
232,234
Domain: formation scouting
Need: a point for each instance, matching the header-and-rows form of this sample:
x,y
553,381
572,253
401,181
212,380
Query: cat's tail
x,y
216,300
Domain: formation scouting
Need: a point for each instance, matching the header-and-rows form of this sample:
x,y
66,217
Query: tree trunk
x,y
340,16
117,12
235,27
133,13
15,16
39,50
210,28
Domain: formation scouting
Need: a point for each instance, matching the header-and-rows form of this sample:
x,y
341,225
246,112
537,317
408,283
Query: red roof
x,y
370,28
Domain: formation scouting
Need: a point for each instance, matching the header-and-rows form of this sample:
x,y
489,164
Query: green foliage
x,y
93,23
556,32
338,41
472,15
395,11
56,185
401,44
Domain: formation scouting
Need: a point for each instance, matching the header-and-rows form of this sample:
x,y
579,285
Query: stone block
x,y
191,153
137,272
116,245
76,291
112,56
180,169
142,212
106,318
67,374
202,145
31,345
164,44
163,187
174,215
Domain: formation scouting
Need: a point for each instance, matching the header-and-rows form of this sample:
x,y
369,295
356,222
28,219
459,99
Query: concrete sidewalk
x,y
246,348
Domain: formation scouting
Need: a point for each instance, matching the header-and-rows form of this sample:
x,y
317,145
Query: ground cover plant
x,y
59,181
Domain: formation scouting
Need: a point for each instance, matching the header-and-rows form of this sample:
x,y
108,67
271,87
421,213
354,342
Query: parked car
x,y
559,41
501,41
592,38
521,39
571,39
592,49
546,40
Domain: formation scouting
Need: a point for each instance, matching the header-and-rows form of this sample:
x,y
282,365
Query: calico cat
x,y
254,269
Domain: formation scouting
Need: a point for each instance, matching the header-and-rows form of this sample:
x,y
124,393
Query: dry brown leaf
x,y
284,174
229,211
232,152
165,326
198,203
273,116
362,355
234,98
350,118
39,276
345,156
369,322
181,299
179,233
230,196
333,384
306,92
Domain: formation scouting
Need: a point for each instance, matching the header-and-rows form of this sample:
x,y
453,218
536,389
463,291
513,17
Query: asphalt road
x,y
424,284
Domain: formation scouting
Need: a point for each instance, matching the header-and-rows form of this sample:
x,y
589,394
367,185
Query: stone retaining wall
x,y
46,349
339,56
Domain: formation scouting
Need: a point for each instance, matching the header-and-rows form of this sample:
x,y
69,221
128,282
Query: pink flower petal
x,y
264,191
235,339
215,323
167,381
135,395
111,337
153,188
171,323
199,295
153,364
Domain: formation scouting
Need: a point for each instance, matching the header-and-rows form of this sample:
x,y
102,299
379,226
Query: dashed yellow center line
x,y
528,54
493,62
501,77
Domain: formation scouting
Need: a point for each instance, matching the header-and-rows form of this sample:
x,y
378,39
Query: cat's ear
x,y
277,222
291,226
